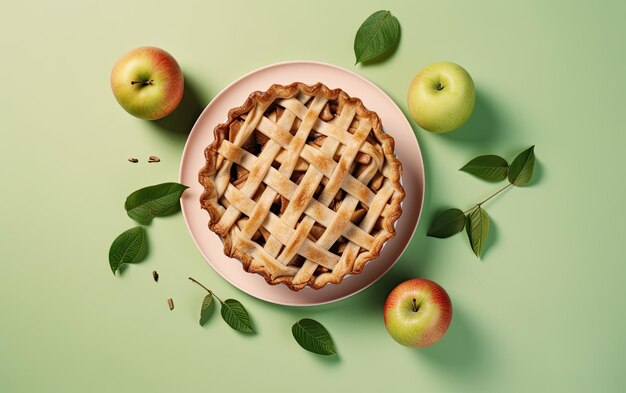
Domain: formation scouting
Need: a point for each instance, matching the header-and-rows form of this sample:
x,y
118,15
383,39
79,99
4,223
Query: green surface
x,y
543,310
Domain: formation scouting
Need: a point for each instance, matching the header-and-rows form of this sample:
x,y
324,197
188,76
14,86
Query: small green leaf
x,y
489,167
313,337
236,316
478,229
447,223
205,311
127,248
379,33
521,170
146,203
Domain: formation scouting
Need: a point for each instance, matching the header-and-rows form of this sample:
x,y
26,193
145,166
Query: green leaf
x,y
478,228
379,33
127,248
236,316
146,203
521,170
447,223
206,310
489,167
313,337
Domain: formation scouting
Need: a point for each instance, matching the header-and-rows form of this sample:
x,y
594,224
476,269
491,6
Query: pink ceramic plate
x,y
309,72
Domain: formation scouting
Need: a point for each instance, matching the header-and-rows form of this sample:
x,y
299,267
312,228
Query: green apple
x,y
147,82
418,313
441,97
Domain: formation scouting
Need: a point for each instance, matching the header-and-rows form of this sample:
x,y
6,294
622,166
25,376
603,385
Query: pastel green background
x,y
542,311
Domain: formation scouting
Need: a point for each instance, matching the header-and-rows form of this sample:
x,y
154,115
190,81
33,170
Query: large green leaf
x,y
478,229
379,33
127,248
146,203
489,167
521,170
447,223
313,337
236,316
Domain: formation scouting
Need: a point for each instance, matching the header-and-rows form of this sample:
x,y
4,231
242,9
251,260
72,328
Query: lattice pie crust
x,y
302,185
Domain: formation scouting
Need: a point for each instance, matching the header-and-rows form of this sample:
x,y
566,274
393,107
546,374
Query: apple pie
x,y
302,185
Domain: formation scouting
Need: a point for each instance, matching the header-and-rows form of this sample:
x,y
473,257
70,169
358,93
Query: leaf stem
x,y
479,204
207,289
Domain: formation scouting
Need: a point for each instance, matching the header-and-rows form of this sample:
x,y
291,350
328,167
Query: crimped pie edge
x,y
209,202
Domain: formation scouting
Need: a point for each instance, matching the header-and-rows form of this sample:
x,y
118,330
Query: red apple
x,y
418,313
147,82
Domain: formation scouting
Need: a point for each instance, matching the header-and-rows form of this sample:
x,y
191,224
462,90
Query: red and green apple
x,y
148,83
418,313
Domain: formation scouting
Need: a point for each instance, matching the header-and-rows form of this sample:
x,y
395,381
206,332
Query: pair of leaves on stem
x,y
490,168
495,168
233,313
452,221
310,334
142,205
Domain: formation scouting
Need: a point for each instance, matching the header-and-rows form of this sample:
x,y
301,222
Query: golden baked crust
x,y
302,185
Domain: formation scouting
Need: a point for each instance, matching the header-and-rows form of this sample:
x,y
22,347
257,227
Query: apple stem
x,y
415,307
439,86
144,83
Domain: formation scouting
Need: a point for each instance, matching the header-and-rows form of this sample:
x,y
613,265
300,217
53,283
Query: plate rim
x,y
421,173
